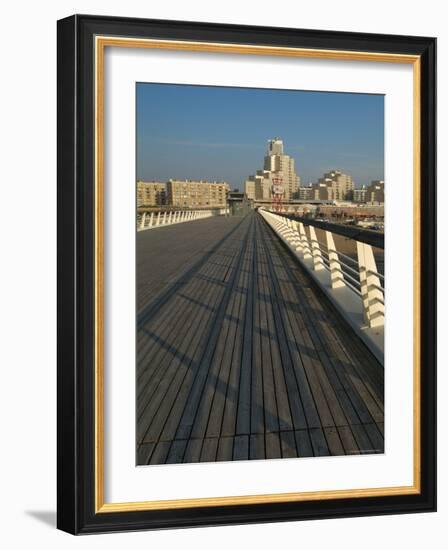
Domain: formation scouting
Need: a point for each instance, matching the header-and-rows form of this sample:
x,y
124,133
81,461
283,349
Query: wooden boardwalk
x,y
240,356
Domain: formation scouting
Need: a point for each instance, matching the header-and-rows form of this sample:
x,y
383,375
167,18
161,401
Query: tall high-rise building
x,y
278,168
282,167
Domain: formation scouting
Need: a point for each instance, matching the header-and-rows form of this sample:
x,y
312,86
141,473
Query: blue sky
x,y
205,132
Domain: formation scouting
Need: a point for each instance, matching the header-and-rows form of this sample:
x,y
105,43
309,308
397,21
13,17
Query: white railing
x,y
153,220
352,283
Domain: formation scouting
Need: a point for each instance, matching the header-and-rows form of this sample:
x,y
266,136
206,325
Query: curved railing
x,y
153,220
353,283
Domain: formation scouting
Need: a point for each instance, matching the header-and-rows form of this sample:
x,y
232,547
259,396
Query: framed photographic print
x,y
231,201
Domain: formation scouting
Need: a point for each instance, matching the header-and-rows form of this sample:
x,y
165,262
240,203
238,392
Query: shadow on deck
x,y
240,356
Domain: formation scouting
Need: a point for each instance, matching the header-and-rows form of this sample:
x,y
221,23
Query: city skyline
x,y
218,133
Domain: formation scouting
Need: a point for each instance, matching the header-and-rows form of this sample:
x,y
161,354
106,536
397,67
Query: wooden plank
x,y
303,443
144,453
160,452
322,330
267,335
260,356
244,396
193,450
162,304
190,409
177,451
273,448
232,398
362,439
287,343
323,394
348,440
319,443
178,372
180,390
343,397
288,444
170,404
334,442
222,387
233,347
375,437
225,449
285,421
241,447
257,449
209,449
147,389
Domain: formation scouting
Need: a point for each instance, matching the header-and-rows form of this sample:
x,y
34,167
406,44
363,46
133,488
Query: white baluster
x,y
305,244
336,274
317,254
372,295
143,220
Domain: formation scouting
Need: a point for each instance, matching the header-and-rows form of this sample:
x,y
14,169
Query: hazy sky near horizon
x,y
218,133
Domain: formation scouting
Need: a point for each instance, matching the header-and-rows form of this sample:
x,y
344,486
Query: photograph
x,y
260,273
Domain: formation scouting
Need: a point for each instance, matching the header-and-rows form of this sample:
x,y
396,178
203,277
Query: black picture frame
x,y
76,285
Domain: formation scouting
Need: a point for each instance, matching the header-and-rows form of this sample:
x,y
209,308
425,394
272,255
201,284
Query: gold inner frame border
x,y
100,44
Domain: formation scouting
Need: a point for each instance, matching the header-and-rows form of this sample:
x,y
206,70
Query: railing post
x,y
297,241
151,217
317,254
336,274
305,245
142,223
158,219
169,217
371,293
164,218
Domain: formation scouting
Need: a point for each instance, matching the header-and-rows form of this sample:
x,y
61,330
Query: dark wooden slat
x,y
375,437
233,390
348,441
319,443
314,404
209,449
257,447
225,449
288,444
177,375
271,413
334,442
186,422
241,447
144,453
177,451
362,439
233,347
193,450
259,403
325,341
244,397
171,347
273,448
185,365
243,349
303,442
160,452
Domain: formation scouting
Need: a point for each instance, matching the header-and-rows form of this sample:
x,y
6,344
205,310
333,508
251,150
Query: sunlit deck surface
x,y
240,356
